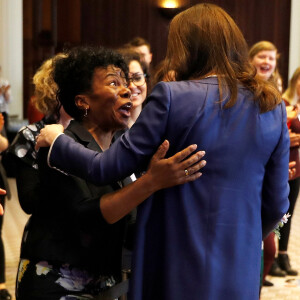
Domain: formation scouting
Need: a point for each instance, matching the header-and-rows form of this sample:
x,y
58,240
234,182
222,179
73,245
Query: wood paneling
x,y
112,23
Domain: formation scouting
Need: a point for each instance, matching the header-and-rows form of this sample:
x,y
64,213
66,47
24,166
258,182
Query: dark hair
x,y
129,55
204,40
74,73
139,41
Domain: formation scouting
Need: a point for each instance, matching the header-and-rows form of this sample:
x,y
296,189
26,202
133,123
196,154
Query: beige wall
x,y
294,61
11,51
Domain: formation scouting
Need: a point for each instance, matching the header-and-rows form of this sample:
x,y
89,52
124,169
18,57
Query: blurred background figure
x,y
5,98
4,294
22,149
263,55
138,82
292,98
143,47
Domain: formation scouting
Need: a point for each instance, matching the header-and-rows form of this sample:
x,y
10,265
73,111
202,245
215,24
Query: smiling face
x,y
138,93
265,63
109,105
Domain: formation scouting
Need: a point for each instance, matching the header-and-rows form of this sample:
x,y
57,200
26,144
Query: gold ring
x,y
186,172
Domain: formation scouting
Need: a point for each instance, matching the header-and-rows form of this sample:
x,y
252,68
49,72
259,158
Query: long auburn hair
x,y
204,40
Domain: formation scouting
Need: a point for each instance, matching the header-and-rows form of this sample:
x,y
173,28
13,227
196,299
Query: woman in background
x,y
292,99
22,148
187,235
138,82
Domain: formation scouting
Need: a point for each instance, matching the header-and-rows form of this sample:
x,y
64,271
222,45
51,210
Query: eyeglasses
x,y
137,79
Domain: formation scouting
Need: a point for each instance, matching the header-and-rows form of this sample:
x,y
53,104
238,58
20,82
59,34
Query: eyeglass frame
x,y
131,79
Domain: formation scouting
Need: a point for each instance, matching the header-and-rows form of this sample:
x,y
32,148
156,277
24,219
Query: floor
x,y
284,288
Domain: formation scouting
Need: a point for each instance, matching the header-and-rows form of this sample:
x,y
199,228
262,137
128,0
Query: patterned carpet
x,y
287,288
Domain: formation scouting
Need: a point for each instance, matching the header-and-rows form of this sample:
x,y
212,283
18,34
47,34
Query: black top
x,y
67,225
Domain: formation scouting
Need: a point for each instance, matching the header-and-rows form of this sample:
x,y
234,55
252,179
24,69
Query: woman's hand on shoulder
x,y
47,135
177,169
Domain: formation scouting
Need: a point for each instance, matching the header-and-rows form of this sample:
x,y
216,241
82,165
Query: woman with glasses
x,y
137,82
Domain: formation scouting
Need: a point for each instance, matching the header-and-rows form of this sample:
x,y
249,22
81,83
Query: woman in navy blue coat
x,y
201,240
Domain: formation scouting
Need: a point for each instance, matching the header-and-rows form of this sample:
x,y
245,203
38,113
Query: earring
x,y
85,113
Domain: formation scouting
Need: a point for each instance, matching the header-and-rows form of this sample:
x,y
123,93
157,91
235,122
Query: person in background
x,y
194,241
142,47
292,99
22,149
264,55
138,82
5,98
4,294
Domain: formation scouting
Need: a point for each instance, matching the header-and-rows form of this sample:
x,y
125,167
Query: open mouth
x,y
125,109
265,68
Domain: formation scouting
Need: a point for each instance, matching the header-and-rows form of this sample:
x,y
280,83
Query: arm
x,y
294,139
28,184
275,190
131,151
5,91
162,173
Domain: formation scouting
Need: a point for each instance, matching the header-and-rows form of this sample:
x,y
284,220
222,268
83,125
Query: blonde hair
x,y
266,46
262,46
290,94
45,87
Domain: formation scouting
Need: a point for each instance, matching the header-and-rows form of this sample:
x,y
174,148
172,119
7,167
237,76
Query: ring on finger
x,y
186,172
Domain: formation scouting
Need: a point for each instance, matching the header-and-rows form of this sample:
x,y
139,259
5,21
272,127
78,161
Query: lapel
x,y
82,136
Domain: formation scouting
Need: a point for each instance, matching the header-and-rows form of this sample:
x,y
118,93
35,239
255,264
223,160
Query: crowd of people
x,y
125,174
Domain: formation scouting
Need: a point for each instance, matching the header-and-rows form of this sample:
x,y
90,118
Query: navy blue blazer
x,y
201,240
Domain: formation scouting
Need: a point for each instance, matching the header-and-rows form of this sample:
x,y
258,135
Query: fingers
x,y
1,210
162,150
192,160
178,157
2,192
194,168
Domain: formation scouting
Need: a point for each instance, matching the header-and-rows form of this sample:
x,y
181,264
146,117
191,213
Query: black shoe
x,y
276,271
267,283
284,264
5,295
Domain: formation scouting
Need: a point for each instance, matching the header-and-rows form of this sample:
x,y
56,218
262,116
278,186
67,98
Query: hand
x,y
175,170
292,169
1,122
47,135
294,139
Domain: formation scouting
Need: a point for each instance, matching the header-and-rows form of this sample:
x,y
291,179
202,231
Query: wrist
x,y
151,185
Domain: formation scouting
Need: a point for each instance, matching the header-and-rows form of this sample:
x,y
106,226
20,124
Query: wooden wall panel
x,y
112,23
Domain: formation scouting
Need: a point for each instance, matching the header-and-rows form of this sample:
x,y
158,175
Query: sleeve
x,y
73,198
275,190
28,184
131,152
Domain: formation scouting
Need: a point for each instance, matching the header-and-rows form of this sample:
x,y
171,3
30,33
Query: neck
x,y
102,137
64,118
135,112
